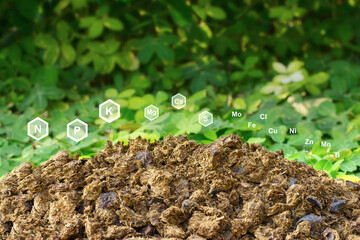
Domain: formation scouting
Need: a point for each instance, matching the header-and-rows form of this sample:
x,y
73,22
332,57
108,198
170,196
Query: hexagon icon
x,y
205,118
151,112
109,111
178,101
38,129
77,130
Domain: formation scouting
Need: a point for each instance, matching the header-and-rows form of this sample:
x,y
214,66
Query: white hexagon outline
x,y
68,129
47,129
157,111
118,110
205,112
172,101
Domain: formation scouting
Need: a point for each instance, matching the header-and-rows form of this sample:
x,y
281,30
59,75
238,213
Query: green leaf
x,y
299,156
111,93
164,52
256,140
113,24
214,76
319,78
239,104
137,103
288,150
348,166
52,51
86,22
254,106
210,134
161,97
189,125
140,81
12,150
338,84
356,108
49,76
294,66
40,101
51,55
344,33
199,10
20,136
296,140
53,93
44,40
215,13
271,88
279,67
127,60
109,46
238,75
278,137
318,150
312,89
62,31
336,166
68,55
146,54
99,62
255,73
127,93
346,153
180,12
78,4
327,109
323,165
61,6
28,8
250,62
351,178
96,29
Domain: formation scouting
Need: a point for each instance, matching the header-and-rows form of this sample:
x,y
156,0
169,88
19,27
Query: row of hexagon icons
x,y
110,110
152,112
205,118
77,130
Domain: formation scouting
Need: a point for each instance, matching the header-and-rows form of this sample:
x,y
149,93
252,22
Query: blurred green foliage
x,y
297,61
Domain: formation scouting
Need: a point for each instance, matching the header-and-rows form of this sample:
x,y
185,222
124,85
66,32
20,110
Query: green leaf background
x,y
294,61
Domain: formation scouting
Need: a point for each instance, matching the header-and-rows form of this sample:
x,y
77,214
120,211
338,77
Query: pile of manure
x,y
177,189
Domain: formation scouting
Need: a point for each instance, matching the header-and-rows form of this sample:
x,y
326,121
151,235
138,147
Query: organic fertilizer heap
x,y
177,189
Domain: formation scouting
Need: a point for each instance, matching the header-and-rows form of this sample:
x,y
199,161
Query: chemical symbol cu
x,y
77,130
205,118
38,129
151,112
178,101
109,111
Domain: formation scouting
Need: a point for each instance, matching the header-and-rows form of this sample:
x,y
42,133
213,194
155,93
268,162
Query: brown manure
x,y
177,189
